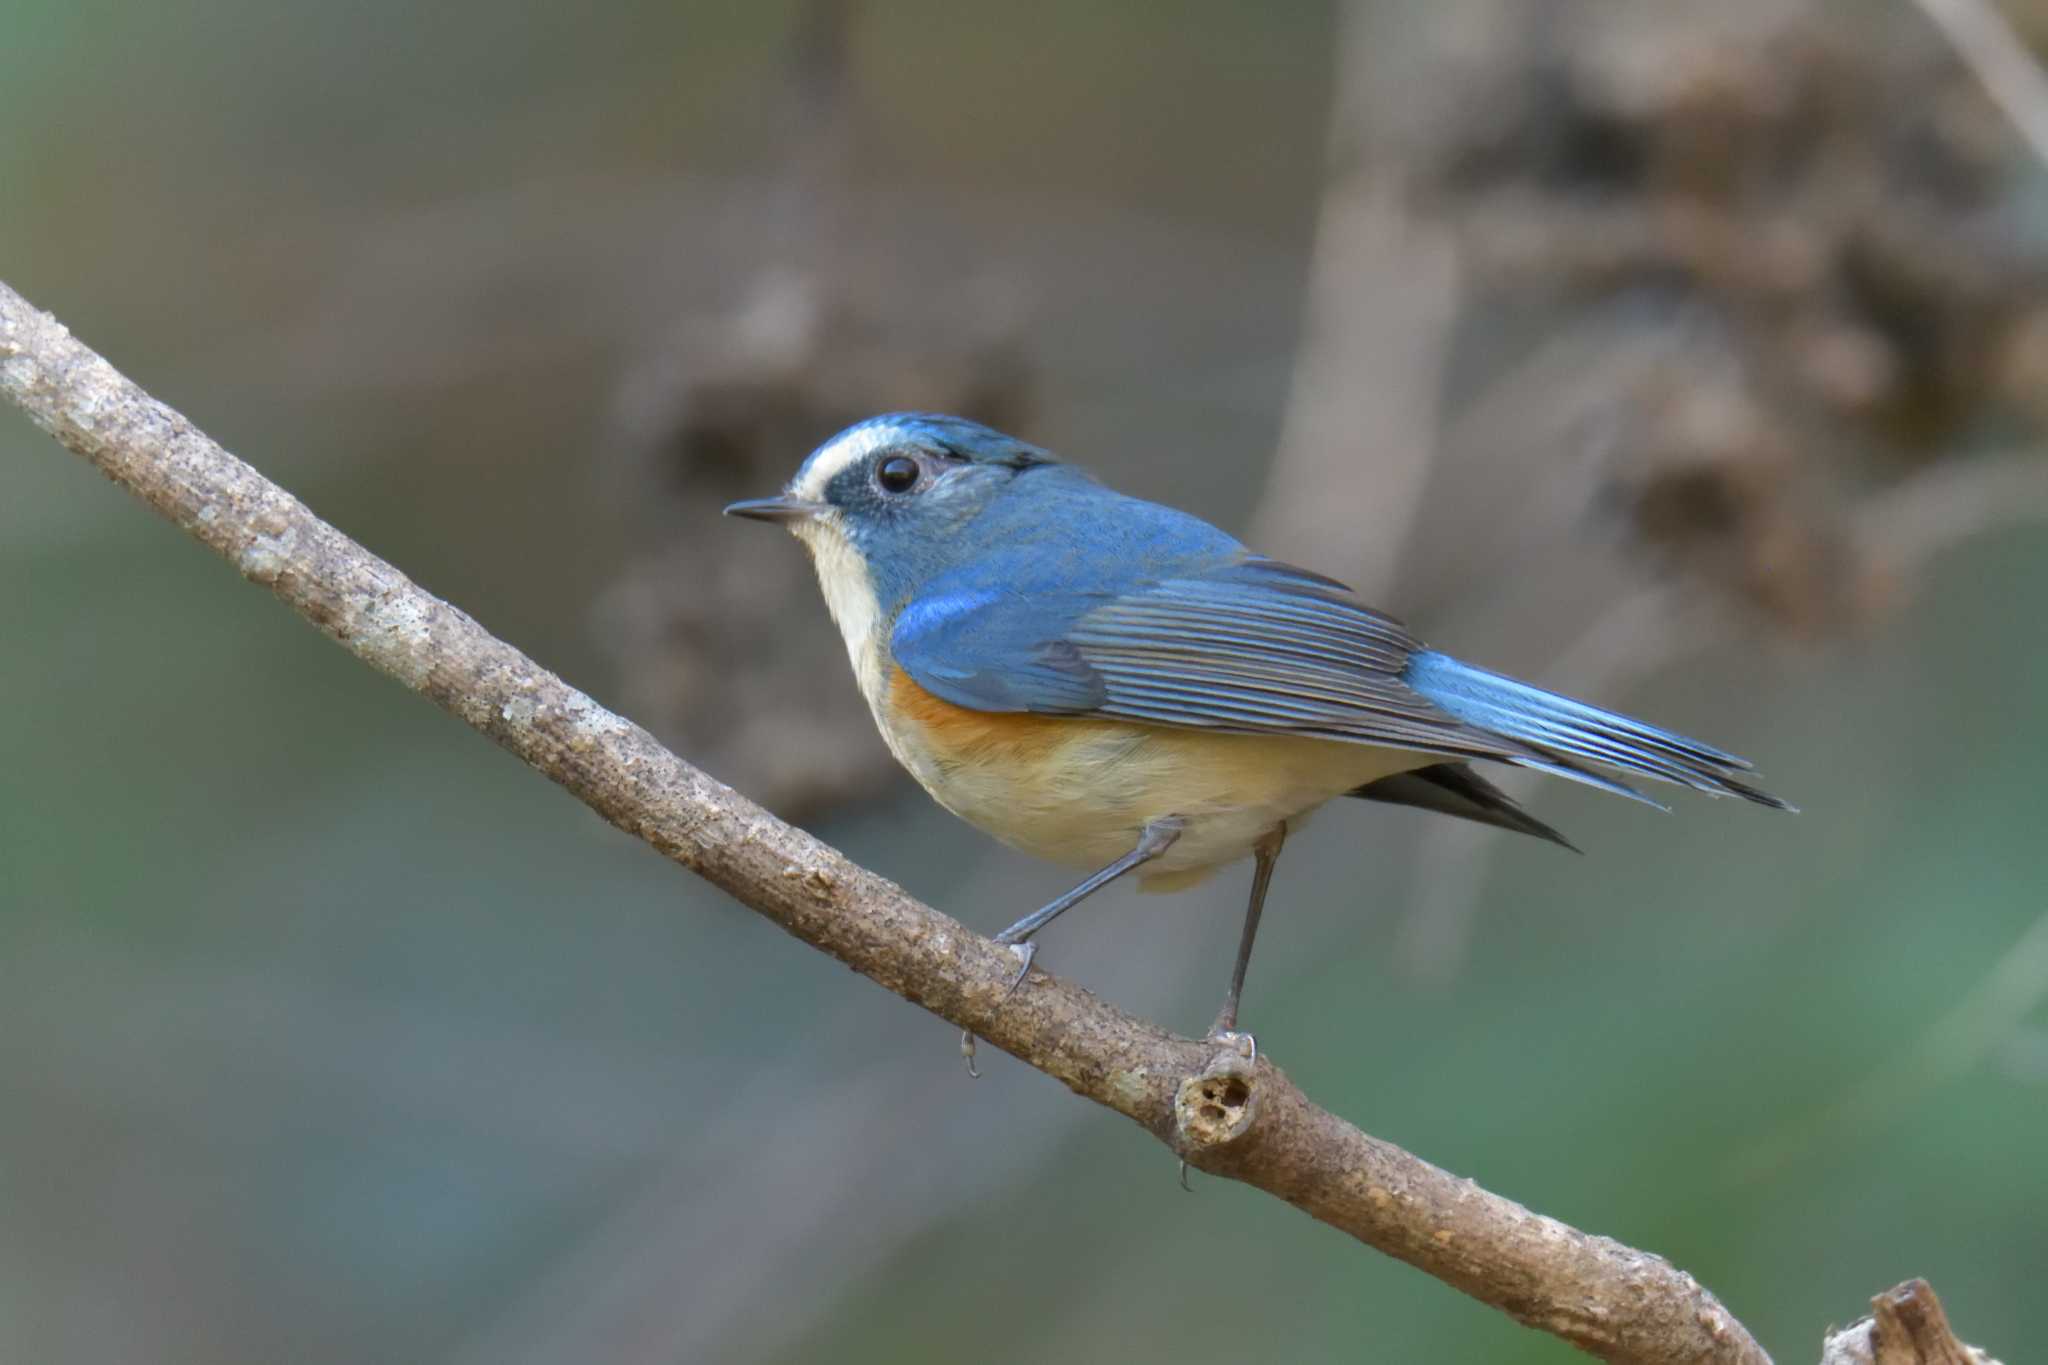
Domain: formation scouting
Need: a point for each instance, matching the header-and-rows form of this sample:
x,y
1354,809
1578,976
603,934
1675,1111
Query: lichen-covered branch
x,y
1225,1115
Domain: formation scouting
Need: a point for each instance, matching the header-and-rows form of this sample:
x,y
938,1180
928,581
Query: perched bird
x,y
1113,684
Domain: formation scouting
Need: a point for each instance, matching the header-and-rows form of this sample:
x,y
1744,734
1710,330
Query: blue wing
x,y
990,650
1246,644
1250,645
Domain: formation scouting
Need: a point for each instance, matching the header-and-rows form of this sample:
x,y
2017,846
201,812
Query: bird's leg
x,y
1267,851
1157,837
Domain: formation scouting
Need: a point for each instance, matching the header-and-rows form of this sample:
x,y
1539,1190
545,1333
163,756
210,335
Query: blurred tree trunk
x,y
1382,298
1722,303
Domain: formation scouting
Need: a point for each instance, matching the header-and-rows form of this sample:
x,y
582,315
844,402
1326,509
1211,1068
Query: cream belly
x,y
1078,790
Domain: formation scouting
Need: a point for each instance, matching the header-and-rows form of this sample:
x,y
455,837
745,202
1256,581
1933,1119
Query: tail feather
x,y
1566,735
1454,789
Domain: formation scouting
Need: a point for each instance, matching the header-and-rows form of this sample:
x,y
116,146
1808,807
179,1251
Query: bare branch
x,y
1223,1114
1907,1327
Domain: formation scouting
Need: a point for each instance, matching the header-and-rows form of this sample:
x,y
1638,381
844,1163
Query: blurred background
x,y
1691,358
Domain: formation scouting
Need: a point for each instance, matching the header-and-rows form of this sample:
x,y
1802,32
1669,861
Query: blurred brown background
x,y
1690,358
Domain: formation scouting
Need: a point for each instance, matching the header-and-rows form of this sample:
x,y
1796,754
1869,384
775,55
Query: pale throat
x,y
849,596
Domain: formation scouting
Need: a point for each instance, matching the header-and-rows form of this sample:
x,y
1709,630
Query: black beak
x,y
775,509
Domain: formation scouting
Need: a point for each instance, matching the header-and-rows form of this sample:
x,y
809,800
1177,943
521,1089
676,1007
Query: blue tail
x,y
1561,731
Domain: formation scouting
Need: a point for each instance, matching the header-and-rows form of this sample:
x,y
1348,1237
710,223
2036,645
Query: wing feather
x,y
1249,645
1254,646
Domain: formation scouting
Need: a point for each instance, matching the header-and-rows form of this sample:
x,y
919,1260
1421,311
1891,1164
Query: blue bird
x,y
1116,685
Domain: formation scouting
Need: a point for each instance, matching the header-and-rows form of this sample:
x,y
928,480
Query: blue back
x,y
1048,530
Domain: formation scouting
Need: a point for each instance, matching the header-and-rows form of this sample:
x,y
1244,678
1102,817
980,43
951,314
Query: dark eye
x,y
897,474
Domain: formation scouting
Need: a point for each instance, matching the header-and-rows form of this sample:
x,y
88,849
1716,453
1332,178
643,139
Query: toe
x,y
1238,1041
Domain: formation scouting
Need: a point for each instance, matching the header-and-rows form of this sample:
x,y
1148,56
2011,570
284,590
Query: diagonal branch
x,y
1223,1114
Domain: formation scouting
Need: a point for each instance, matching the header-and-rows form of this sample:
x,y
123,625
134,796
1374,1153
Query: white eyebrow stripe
x,y
848,448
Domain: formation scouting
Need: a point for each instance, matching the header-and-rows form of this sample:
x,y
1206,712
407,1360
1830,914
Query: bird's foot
x,y
1243,1044
1024,953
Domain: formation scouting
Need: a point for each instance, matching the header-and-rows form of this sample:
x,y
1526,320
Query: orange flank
x,y
955,734
1078,789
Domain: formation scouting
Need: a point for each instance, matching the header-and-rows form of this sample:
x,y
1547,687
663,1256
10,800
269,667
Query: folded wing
x,y
1251,645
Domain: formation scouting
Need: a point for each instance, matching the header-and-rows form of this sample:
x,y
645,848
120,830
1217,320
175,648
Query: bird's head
x,y
888,498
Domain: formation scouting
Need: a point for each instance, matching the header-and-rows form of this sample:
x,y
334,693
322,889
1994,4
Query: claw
x,y
1024,953
1244,1044
1184,1176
